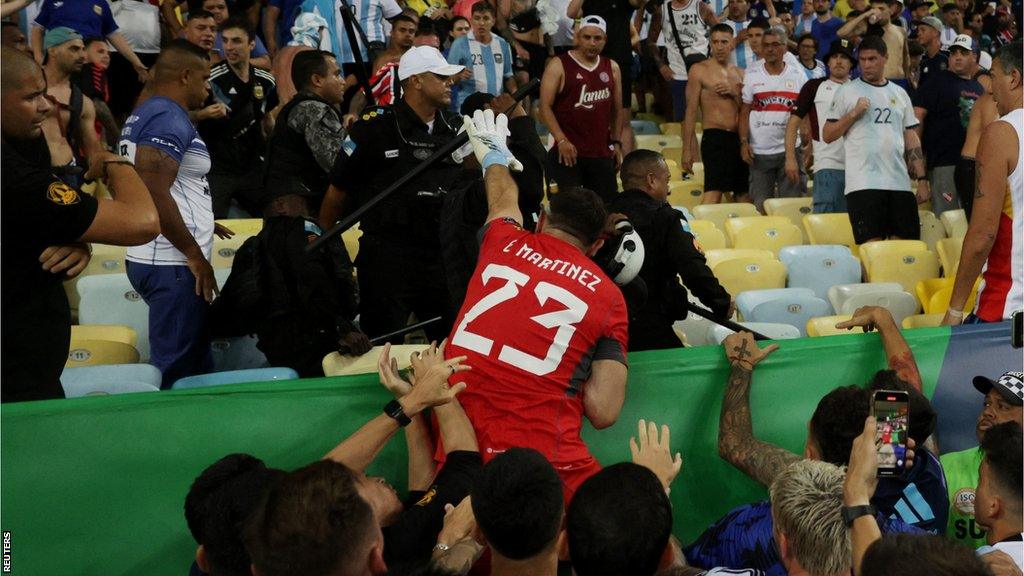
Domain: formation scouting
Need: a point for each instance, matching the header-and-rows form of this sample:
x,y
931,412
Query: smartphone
x,y
1017,331
891,409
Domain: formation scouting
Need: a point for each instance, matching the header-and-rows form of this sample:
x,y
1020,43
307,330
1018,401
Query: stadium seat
x,y
674,153
955,222
675,174
899,303
98,352
335,364
922,321
656,118
773,331
935,293
792,310
839,294
871,250
931,229
741,274
243,226
224,251
235,377
906,268
686,193
105,259
826,326
719,213
110,299
657,142
763,232
793,208
109,379
351,239
675,128
644,127
830,229
707,234
747,301
820,267
109,332
948,250
720,255
237,353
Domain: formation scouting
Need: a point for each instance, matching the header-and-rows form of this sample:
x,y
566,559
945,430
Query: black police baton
x,y
735,327
449,147
404,330
351,26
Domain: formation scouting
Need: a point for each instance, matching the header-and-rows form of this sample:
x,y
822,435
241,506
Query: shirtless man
x,y
715,85
70,141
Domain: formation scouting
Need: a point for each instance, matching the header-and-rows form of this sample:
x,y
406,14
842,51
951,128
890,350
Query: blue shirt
x,y
90,18
289,10
490,64
825,33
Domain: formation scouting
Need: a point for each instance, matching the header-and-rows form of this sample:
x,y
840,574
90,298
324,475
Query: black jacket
x,y
669,251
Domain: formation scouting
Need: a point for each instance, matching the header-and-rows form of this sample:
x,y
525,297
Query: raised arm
x,y
855,26
457,432
575,9
900,357
761,461
995,160
487,135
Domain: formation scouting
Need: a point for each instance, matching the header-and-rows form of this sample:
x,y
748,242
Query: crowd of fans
x,y
301,113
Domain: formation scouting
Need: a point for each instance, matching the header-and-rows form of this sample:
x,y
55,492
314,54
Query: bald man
x,y
173,273
45,223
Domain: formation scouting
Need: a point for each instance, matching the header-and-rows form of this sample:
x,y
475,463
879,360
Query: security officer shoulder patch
x,y
372,113
62,194
428,497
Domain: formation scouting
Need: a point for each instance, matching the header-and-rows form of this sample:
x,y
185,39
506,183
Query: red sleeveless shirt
x,y
584,106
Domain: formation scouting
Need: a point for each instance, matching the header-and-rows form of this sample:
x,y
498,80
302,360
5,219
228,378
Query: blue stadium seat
x,y
820,267
899,303
748,300
839,294
109,379
645,127
795,311
773,331
237,353
235,377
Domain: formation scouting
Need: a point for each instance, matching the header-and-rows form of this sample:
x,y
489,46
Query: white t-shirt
x,y
874,143
1015,549
815,102
771,98
139,23
692,34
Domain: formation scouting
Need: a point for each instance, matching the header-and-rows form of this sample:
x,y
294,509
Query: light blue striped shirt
x,y
742,55
490,64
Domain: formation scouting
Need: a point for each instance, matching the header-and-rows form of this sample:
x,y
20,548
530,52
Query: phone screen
x,y
892,416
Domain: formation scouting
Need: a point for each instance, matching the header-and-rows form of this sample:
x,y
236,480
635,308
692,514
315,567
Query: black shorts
x,y
883,214
724,168
538,58
626,73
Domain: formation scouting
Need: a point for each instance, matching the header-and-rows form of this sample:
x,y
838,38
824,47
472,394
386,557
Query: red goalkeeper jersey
x,y
538,312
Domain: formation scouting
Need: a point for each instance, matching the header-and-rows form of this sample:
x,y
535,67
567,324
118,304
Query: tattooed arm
x,y
901,359
737,445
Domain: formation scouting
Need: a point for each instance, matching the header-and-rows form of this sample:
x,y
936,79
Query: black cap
x,y
475,101
1010,386
842,47
918,3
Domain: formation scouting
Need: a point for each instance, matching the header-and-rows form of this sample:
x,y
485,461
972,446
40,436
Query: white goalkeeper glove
x,y
488,134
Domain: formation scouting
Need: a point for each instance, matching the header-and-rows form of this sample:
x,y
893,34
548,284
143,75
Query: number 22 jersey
x,y
537,314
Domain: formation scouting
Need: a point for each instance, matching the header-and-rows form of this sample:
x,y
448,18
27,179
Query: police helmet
x,y
622,255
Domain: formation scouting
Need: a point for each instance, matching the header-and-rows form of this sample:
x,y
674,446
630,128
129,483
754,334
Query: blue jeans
x,y
178,341
828,191
678,90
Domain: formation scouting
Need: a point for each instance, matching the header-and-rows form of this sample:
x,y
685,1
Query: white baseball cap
x,y
595,21
985,60
966,42
420,59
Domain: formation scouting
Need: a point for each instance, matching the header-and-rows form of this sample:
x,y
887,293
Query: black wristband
x,y
851,513
394,410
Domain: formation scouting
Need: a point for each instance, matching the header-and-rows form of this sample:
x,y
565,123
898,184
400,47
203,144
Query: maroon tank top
x,y
584,106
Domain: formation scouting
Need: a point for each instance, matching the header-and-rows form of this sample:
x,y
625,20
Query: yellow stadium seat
x,y
224,251
707,234
673,153
926,288
763,232
830,229
871,250
741,274
675,128
686,193
826,326
719,213
98,352
922,321
955,222
934,294
108,332
351,239
657,142
949,255
243,226
931,229
674,172
335,364
793,208
105,259
720,255
905,267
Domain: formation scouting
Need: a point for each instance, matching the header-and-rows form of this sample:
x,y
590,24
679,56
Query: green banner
x,y
97,485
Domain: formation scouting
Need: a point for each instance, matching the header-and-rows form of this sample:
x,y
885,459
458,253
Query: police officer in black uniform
x,y
670,253
399,263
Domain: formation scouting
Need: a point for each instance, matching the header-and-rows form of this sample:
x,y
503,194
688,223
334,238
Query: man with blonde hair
x,y
806,509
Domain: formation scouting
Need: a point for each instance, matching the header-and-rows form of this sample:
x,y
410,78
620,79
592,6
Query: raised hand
x,y
488,135
653,453
742,351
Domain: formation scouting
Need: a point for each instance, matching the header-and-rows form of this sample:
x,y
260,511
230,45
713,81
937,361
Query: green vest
x,y
961,469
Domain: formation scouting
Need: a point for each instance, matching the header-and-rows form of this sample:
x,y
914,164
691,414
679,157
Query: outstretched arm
x,y
901,358
759,460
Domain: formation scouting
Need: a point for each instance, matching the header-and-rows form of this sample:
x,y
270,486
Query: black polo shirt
x,y
236,143
931,64
39,210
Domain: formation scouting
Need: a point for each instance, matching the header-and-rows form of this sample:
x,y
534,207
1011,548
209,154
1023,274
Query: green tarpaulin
x,y
96,485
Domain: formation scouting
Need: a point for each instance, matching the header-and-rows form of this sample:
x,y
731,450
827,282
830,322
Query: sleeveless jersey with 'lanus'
x,y
584,106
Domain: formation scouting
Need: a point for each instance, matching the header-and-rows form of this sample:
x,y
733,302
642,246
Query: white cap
x,y
964,41
985,60
595,21
420,59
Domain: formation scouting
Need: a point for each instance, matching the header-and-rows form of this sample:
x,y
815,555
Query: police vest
x,y
291,167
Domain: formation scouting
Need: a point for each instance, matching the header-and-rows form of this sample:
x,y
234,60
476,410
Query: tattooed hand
x,y
742,351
